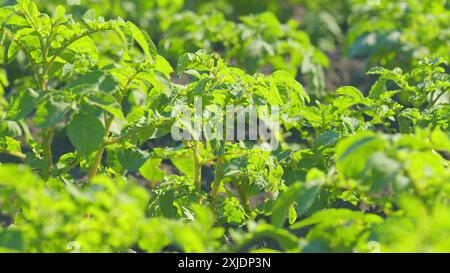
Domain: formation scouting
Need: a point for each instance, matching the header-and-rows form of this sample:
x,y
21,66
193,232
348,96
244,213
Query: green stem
x,y
244,199
433,101
101,150
26,130
47,147
217,180
48,134
115,139
197,168
97,160
105,142
19,155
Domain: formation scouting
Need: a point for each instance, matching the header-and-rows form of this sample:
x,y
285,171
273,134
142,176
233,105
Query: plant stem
x,y
217,179
115,140
48,134
97,160
19,155
244,199
433,101
26,130
47,146
43,82
99,155
101,150
198,168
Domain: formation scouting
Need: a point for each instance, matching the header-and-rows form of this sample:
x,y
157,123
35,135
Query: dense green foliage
x,y
89,94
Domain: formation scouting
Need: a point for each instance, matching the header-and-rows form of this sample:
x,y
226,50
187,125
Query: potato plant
x,y
206,140
399,31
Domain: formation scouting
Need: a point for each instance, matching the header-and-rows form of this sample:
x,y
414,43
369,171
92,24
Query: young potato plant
x,y
388,169
398,33
256,43
362,167
246,166
107,147
72,82
105,216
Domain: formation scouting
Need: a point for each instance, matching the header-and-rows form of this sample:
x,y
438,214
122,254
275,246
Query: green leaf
x,y
151,170
11,239
283,203
85,132
67,160
106,102
36,163
163,65
51,110
185,165
28,7
85,46
112,158
353,153
22,105
440,141
377,89
337,217
201,61
94,81
292,215
3,79
302,193
232,210
289,87
166,203
9,17
349,96
144,41
60,12
184,61
380,171
315,179
132,158
10,145
327,138
13,50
